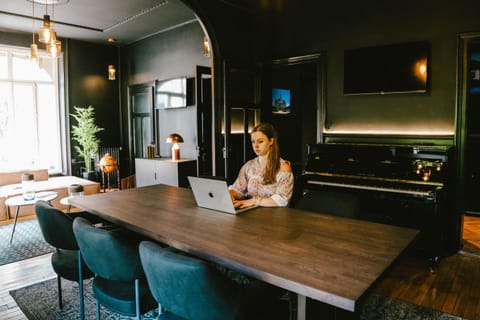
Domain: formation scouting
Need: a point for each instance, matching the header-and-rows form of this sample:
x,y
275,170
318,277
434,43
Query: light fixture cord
x,y
33,22
53,15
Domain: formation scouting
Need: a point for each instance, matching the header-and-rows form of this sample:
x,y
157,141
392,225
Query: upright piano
x,y
404,185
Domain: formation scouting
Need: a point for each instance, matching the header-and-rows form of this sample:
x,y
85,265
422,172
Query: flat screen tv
x,y
174,93
281,101
396,68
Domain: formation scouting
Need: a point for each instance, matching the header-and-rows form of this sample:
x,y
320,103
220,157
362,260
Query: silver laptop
x,y
213,194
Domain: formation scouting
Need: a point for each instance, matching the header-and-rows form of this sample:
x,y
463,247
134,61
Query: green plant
x,y
85,134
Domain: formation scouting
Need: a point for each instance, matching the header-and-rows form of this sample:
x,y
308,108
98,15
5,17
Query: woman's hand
x,y
233,194
245,203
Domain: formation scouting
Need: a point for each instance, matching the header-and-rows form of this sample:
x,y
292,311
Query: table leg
x,y
301,307
14,223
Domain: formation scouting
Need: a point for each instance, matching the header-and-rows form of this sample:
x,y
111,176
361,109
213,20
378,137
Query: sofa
x,y
11,185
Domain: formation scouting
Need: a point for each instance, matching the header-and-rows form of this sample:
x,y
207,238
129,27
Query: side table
x,y
18,202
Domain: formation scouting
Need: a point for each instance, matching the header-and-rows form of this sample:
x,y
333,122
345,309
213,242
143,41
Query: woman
x,y
266,180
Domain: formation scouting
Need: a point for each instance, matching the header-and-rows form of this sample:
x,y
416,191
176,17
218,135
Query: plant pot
x,y
91,175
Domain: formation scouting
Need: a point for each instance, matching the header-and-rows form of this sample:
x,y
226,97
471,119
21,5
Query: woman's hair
x,y
273,161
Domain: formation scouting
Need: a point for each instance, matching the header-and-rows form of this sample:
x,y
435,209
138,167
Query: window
x,y
30,121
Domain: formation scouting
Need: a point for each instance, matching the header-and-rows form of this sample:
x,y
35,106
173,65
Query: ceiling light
x,y
45,31
47,34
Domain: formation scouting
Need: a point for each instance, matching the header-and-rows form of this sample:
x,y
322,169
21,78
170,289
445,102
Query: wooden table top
x,y
327,258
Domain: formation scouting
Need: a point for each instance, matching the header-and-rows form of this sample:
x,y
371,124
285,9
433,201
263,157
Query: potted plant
x,y
85,134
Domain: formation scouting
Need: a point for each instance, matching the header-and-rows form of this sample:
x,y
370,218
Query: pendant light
x,y
45,30
34,58
47,33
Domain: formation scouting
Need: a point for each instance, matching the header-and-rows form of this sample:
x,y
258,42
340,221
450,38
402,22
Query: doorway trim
x,y
463,42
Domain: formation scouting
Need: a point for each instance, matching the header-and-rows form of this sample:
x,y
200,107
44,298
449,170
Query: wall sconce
x,y
175,138
111,72
206,47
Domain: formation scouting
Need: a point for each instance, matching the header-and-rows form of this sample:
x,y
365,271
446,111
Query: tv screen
x,y
281,101
173,93
398,68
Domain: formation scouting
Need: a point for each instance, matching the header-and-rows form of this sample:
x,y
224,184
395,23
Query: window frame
x,y
57,79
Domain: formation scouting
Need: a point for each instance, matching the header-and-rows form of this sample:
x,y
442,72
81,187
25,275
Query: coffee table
x,y
19,201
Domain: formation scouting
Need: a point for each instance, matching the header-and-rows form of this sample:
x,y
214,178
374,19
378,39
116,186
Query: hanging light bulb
x,y
45,30
34,58
54,47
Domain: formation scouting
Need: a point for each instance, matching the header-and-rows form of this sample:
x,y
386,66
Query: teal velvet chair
x,y
57,229
112,254
189,288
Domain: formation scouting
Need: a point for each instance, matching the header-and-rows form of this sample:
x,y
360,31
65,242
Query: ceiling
x,y
126,21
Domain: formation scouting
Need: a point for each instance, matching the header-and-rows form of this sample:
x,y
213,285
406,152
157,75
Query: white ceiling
x,y
97,20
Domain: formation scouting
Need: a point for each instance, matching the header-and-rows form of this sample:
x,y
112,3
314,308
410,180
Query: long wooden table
x,y
327,258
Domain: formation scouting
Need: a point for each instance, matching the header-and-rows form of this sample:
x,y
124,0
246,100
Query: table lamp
x,y
175,138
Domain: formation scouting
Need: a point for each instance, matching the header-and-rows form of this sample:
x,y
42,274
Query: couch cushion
x,y
58,184
14,177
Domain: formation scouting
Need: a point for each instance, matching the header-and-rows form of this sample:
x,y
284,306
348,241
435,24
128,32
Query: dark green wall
x,y
301,27
170,54
88,84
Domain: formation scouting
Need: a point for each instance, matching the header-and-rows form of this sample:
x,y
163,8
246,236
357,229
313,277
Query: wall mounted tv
x,y
396,68
174,93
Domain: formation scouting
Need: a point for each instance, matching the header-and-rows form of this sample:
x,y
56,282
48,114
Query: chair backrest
x,y
111,254
188,287
332,202
56,226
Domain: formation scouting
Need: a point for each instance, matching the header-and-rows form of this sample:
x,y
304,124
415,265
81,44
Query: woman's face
x,y
261,143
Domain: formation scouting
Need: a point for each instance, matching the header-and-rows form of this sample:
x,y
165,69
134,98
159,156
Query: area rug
x,y
27,242
377,307
39,301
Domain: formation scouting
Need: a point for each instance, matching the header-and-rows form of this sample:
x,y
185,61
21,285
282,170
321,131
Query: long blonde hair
x,y
273,160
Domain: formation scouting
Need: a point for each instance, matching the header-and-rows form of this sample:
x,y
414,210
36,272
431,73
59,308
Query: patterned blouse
x,y
250,183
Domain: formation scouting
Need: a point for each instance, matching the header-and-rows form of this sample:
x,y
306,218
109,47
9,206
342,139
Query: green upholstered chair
x,y
190,288
112,254
57,230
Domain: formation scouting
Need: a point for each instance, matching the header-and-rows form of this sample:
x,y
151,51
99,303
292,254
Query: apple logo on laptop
x,y
210,194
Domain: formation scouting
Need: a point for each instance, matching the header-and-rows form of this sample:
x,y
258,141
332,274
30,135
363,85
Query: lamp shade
x,y
174,138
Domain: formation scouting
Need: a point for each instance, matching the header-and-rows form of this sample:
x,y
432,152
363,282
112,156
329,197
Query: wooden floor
x,y
20,274
454,289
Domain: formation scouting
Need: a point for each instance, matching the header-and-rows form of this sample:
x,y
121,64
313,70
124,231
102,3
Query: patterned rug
x,y
39,301
27,242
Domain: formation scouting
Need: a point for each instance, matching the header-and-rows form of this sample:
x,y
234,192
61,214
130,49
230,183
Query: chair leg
x,y
59,288
80,286
137,299
97,305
